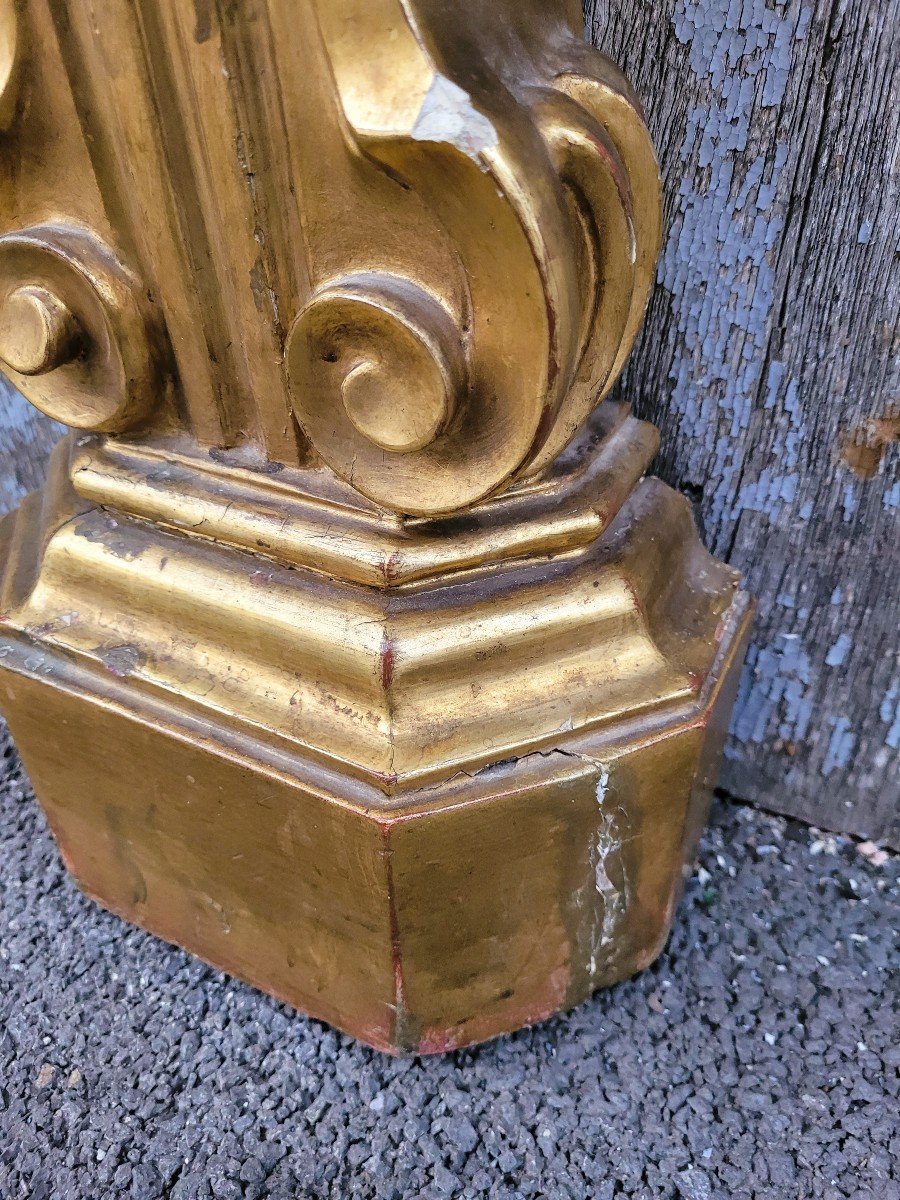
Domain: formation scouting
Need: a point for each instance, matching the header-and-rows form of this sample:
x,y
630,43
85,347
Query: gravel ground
x,y
758,1057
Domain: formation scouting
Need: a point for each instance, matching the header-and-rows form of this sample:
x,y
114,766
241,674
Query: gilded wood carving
x,y
375,671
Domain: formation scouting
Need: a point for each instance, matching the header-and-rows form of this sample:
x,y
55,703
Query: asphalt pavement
x,y
757,1058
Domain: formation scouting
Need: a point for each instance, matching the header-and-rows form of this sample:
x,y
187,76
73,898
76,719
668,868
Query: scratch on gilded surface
x,y
448,115
121,660
606,858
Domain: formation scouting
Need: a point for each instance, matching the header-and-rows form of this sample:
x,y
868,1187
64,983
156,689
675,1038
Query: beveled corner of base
x,y
428,813
417,923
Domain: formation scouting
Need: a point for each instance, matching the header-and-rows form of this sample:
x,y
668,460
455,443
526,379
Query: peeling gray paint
x,y
772,336
889,711
837,655
840,746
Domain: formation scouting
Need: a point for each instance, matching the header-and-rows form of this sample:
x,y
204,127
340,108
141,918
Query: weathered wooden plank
x,y
770,362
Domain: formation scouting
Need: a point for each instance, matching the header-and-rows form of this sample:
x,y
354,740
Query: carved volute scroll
x,y
415,243
75,338
477,361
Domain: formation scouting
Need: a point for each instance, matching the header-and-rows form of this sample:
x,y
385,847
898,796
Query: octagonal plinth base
x,y
459,913
427,812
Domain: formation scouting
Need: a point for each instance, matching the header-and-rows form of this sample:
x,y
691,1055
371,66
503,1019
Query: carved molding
x,y
425,231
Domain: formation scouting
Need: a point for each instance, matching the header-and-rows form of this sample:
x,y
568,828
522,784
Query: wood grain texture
x,y
770,362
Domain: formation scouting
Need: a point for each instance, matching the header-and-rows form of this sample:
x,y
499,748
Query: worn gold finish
x,y
347,645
